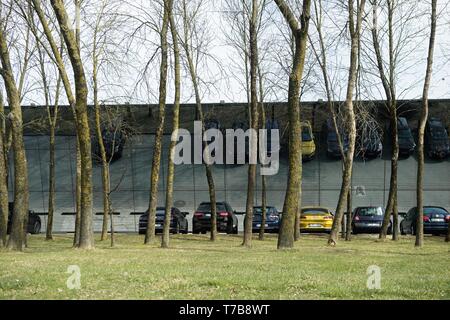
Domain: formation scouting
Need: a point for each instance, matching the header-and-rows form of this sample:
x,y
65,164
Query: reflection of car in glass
x,y
406,142
369,143
308,144
272,219
316,219
368,220
333,149
436,139
178,221
226,218
435,221
113,140
34,221
271,147
240,125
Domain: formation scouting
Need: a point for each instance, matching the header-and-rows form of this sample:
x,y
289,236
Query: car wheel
x,y
230,229
37,227
186,230
413,231
236,230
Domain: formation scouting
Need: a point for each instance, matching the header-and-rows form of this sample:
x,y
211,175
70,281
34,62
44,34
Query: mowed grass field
x,y
195,268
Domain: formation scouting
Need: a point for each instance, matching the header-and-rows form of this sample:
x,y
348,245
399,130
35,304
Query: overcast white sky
x,y
221,71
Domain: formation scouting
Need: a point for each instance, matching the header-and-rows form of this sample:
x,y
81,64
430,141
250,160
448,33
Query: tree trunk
x,y
286,235
82,124
348,161
348,227
76,237
156,162
248,221
51,184
175,125
4,206
16,238
263,177
422,124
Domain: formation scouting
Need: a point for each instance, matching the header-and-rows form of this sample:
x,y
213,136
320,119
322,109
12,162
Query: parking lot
x,y
130,180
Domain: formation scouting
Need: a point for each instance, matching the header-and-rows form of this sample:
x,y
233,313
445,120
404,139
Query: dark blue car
x,y
272,224
435,221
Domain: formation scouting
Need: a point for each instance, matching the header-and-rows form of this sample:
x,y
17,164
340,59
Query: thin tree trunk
x,y
175,125
263,177
422,124
355,31
348,227
4,206
16,238
101,144
156,162
199,112
248,221
286,236
82,124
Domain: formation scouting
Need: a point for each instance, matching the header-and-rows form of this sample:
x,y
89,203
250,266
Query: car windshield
x,y
315,212
258,211
370,212
434,211
306,134
206,207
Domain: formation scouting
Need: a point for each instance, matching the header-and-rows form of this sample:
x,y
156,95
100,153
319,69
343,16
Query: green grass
x,y
195,268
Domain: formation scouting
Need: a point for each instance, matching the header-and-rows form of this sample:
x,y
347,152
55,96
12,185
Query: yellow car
x,y
308,144
316,219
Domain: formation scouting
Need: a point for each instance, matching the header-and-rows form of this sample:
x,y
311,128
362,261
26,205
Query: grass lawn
x,y
195,268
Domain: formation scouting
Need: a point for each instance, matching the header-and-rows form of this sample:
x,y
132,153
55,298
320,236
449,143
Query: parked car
x,y
308,144
113,141
226,218
406,141
333,149
370,144
272,224
34,221
435,221
178,221
368,220
316,219
436,139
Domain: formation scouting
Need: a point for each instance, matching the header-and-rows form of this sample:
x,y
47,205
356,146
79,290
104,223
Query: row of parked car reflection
x,y
369,139
312,219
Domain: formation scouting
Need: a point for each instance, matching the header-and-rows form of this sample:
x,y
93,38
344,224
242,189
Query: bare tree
x,y
422,124
17,238
175,125
82,124
355,32
299,31
195,44
157,149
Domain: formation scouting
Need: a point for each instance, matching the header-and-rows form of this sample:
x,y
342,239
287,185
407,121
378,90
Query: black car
x,y
178,221
272,224
114,142
333,149
226,218
370,144
436,139
368,220
406,141
34,221
435,221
